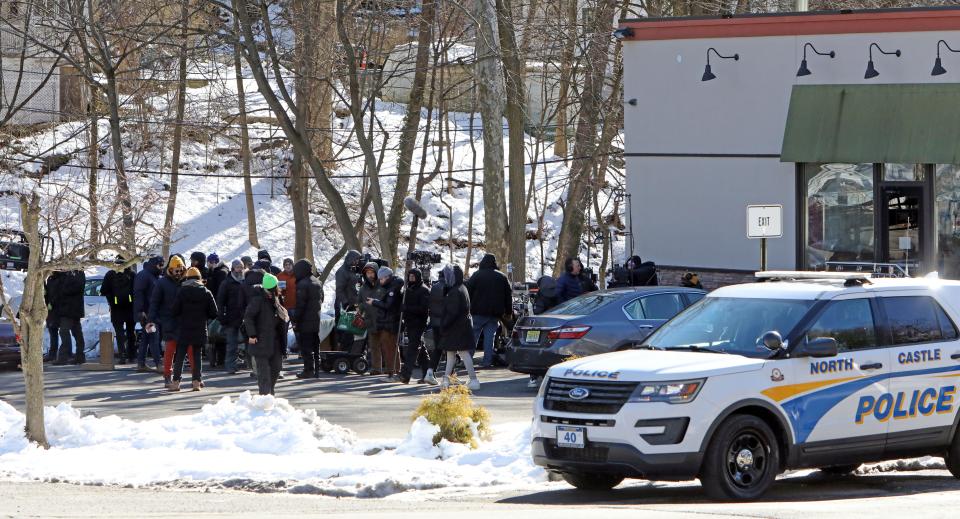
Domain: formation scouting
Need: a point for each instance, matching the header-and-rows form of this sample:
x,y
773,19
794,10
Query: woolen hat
x,y
213,258
235,263
269,281
176,262
192,273
384,272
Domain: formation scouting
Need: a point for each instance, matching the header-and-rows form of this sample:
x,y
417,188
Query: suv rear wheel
x,y
592,480
742,460
952,458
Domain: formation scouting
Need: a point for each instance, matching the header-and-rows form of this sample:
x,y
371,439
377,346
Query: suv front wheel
x,y
592,480
742,460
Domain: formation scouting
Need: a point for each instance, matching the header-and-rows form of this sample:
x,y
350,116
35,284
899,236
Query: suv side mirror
x,y
819,348
772,341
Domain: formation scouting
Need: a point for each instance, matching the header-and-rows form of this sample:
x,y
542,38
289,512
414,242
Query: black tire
x,y
952,459
840,470
592,481
326,365
341,365
360,365
742,460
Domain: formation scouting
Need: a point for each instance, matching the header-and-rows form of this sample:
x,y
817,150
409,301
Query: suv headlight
x,y
674,392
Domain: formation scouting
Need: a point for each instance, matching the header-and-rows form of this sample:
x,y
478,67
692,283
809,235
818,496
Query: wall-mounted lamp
x,y
803,70
632,102
938,69
871,70
707,72
620,34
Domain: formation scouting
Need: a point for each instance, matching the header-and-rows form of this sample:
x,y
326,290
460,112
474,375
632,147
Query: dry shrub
x,y
453,410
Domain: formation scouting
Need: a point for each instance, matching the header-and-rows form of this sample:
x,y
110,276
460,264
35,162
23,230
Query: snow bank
x,y
257,443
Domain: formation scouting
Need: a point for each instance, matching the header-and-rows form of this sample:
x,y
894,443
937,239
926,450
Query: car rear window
x,y
585,304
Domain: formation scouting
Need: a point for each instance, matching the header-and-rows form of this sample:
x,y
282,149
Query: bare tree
x,y
178,125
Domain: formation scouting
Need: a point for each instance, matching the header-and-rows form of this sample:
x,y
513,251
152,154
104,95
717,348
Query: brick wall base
x,y
711,279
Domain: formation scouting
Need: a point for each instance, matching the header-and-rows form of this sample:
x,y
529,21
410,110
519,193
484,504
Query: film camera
x,y
423,257
367,258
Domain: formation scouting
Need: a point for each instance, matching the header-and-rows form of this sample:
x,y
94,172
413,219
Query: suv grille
x,y
604,398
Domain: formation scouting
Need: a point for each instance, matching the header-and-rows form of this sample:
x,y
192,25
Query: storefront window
x,y
903,172
839,213
948,220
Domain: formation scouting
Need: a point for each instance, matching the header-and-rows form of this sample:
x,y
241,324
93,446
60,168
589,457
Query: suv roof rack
x,y
849,278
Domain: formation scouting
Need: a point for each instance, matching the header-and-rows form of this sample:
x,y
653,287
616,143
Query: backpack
x,y
122,289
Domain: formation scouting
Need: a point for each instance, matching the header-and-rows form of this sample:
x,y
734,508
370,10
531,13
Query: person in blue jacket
x,y
143,284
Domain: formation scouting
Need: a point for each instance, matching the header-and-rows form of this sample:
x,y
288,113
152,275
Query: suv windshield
x,y
730,324
585,304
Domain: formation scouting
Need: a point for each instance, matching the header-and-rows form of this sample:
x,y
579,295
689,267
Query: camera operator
x,y
416,305
388,320
346,296
574,281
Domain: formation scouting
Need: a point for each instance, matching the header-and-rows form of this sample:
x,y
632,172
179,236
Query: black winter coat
x,y
231,302
117,287
416,303
51,296
309,298
456,326
347,280
436,303
70,294
264,318
161,308
250,280
490,292
215,277
390,305
143,285
192,307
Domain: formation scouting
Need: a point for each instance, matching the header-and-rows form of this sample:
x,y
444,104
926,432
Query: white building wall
x,y
44,106
691,211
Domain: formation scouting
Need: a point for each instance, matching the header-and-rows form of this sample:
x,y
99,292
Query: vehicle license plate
x,y
533,336
571,437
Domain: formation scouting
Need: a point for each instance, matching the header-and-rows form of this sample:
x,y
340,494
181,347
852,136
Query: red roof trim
x,y
795,25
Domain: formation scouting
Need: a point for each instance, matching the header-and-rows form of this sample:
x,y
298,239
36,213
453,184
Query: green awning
x,y
915,123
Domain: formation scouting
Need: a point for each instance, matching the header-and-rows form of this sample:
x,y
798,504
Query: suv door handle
x,y
650,327
955,356
875,365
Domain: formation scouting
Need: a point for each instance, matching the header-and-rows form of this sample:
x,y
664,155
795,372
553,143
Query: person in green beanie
x,y
266,323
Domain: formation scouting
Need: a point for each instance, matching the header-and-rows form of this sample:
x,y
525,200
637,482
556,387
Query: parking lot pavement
x,y
367,405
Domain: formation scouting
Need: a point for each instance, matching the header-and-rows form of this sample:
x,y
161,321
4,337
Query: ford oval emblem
x,y
579,393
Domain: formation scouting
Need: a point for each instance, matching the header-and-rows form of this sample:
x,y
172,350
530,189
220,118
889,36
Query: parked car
x,y
598,322
9,346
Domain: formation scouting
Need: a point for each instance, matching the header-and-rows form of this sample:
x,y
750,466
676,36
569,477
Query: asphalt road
x,y
369,406
928,494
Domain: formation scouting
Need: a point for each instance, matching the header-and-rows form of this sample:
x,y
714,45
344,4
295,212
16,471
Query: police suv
x,y
802,370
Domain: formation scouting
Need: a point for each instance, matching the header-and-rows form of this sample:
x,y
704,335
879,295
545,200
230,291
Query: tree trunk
x,y
595,62
244,144
123,187
251,52
93,160
177,132
513,71
411,125
569,15
490,96
365,142
33,314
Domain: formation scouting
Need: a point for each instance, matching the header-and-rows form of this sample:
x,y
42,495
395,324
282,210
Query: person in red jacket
x,y
288,290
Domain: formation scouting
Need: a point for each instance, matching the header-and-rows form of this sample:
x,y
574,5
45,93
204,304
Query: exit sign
x,y
764,221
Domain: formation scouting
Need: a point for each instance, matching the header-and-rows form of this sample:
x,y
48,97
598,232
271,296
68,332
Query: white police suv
x,y
803,370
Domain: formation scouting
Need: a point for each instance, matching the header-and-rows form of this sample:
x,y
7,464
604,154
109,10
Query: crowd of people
x,y
171,311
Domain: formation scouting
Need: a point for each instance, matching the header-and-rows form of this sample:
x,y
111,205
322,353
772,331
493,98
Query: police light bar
x,y
821,276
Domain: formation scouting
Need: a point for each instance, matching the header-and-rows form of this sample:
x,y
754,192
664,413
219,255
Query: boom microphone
x,y
414,207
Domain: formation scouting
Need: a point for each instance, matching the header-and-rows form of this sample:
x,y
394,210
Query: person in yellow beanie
x,y
193,306
161,318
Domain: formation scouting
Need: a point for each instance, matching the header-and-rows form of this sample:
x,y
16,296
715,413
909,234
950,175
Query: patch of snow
x,y
253,442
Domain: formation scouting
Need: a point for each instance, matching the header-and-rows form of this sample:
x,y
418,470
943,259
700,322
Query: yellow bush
x,y
453,410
